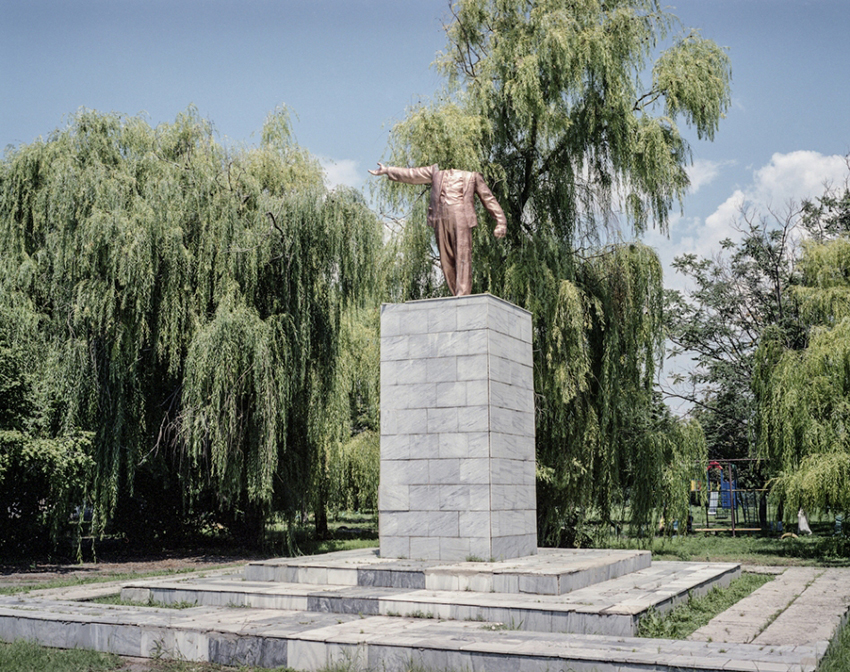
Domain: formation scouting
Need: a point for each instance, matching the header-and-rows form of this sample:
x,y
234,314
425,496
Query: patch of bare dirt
x,y
39,572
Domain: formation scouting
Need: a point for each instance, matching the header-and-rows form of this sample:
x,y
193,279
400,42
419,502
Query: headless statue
x,y
451,213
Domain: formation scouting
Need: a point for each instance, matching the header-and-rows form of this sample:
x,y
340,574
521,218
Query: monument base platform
x,y
338,616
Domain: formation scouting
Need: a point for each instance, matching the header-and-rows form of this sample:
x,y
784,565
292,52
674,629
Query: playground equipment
x,y
723,506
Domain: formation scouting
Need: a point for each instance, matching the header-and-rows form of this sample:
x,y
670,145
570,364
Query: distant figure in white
x,y
802,523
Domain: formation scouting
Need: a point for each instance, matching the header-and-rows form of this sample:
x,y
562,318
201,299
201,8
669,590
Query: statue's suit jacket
x,y
473,184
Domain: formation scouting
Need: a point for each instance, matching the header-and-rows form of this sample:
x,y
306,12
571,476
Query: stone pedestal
x,y
457,430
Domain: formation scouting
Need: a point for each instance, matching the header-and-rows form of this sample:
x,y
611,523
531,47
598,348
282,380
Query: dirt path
x,y
37,573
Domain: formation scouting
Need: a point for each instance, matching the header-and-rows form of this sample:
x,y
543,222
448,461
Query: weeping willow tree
x,y
184,302
560,107
803,396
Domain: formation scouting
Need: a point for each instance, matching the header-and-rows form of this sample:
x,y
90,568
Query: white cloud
x,y
342,171
796,176
787,177
703,172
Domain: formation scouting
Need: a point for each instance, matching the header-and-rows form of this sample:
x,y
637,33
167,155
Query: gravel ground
x,y
37,573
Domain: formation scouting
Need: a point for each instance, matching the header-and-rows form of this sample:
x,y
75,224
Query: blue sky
x,y
350,68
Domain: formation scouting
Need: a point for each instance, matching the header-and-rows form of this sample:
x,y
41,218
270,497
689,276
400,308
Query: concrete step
x,y
611,607
312,641
551,572
784,610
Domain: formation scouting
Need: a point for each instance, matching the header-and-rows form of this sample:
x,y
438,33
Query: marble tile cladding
x,y
404,421
424,548
510,320
453,444
456,343
512,523
511,396
404,472
444,471
440,523
454,497
471,315
457,432
450,394
511,373
479,498
511,446
454,547
473,419
421,346
442,420
462,444
511,422
442,318
394,347
403,371
464,498
479,444
474,523
424,446
394,497
511,497
509,348
403,318
440,369
472,367
515,546
416,395
401,523
511,472
474,471
395,547
395,446
424,497
480,547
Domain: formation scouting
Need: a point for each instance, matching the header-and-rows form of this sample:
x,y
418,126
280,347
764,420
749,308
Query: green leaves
x,y
176,317
803,393
548,101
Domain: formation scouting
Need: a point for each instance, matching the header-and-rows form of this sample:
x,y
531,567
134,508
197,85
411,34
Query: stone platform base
x,y
316,641
612,607
550,572
370,613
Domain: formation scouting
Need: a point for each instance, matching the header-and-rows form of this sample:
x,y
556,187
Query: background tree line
x,y
189,333
182,329
765,324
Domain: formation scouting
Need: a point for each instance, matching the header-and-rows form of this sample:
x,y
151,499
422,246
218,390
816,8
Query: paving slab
x,y
744,621
611,607
310,641
805,605
816,614
549,572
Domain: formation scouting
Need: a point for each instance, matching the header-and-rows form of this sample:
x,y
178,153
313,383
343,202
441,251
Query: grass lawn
x,y
23,656
816,550
698,611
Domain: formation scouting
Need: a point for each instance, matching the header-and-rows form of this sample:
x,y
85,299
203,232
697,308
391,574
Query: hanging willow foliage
x,y
188,297
803,396
547,101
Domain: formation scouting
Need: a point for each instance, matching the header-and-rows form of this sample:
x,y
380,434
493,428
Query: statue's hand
x,y
500,231
382,170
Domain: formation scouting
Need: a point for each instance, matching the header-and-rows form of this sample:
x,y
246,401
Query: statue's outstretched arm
x,y
408,175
